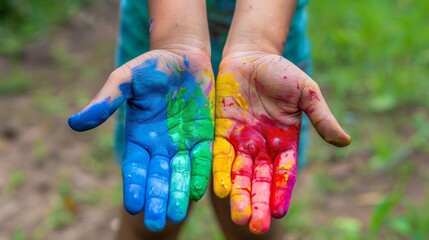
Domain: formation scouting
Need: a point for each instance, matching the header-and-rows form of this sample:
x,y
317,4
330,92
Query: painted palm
x,y
259,103
169,131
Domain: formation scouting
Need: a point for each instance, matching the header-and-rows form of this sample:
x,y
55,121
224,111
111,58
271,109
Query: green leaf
x,y
381,211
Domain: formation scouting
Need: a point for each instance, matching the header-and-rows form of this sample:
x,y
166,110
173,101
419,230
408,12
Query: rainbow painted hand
x,y
169,131
259,103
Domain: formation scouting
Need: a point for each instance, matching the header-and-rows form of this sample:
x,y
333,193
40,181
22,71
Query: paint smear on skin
x,y
261,188
227,104
265,141
313,98
98,113
313,95
150,26
245,139
258,85
165,116
201,158
190,120
157,192
146,127
179,187
227,87
285,166
223,156
209,90
240,201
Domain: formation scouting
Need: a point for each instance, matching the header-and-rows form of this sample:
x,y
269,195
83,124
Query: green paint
x,y
201,157
191,128
179,187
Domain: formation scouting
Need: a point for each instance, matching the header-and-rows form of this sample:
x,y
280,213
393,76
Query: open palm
x,y
260,98
169,131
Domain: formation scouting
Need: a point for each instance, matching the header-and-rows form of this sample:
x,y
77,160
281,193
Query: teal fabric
x,y
134,40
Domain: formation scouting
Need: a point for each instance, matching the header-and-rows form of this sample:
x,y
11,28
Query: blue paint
x,y
157,193
156,166
156,96
134,171
100,112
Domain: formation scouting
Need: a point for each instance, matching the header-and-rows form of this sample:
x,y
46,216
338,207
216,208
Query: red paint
x,y
308,111
226,105
313,95
270,145
297,86
283,183
279,138
247,139
258,85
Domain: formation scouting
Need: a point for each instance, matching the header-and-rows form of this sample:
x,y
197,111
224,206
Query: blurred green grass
x,y
373,55
23,21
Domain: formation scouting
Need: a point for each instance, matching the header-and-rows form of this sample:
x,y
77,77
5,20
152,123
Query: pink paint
x,y
285,169
308,111
261,188
273,148
313,95
150,25
258,85
209,88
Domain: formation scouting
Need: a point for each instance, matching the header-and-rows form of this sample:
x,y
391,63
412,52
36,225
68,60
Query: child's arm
x,y
260,26
179,25
260,98
169,124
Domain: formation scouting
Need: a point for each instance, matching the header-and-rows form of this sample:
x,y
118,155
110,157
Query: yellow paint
x,y
240,216
223,151
223,156
227,87
223,126
263,68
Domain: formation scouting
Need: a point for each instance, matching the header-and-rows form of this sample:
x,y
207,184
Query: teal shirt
x,y
134,40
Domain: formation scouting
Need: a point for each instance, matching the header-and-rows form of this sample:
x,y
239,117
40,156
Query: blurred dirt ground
x,y
37,147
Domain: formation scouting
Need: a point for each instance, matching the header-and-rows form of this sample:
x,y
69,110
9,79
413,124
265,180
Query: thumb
x,y
316,108
115,91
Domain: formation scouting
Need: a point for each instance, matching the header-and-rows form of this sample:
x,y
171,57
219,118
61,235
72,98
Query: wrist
x,y
243,46
180,24
181,43
257,26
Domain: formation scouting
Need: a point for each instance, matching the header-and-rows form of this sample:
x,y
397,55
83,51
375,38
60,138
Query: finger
x,y
223,155
240,194
261,188
134,172
284,180
179,187
115,91
157,193
201,157
316,108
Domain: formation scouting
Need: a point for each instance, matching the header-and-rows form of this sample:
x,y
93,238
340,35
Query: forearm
x,y
179,24
260,26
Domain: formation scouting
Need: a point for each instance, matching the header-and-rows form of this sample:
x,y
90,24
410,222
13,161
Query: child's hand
x,y
260,98
169,130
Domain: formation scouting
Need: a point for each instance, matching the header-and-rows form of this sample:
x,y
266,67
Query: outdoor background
x,y
371,60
